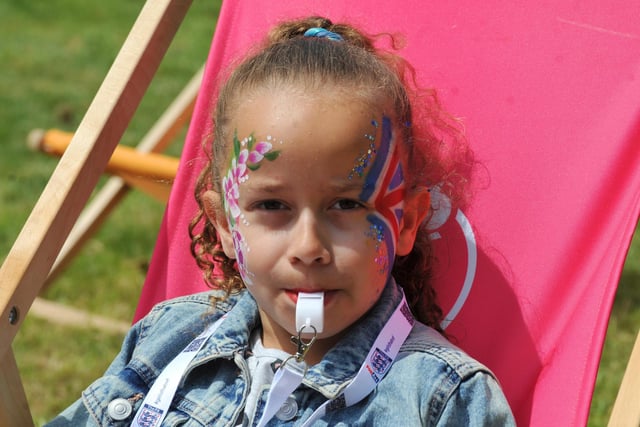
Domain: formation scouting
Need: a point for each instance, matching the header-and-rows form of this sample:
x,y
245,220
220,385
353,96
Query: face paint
x,y
241,249
377,234
247,156
362,162
384,187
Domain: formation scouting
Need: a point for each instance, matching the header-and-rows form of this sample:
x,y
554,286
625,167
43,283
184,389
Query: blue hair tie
x,y
323,34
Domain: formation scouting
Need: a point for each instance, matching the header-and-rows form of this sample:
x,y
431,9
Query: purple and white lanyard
x,y
384,350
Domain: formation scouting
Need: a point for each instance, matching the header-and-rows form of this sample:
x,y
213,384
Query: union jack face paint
x,y
384,187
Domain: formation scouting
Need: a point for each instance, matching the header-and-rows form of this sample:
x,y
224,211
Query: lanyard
x,y
156,404
377,363
309,315
384,350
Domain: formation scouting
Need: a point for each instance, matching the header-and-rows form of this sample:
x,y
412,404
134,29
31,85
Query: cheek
x,y
381,237
242,250
257,252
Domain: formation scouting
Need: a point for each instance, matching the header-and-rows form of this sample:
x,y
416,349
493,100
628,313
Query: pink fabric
x,y
549,94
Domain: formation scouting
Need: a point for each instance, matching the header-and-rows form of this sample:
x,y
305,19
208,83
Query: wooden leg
x,y
626,409
14,410
34,251
32,255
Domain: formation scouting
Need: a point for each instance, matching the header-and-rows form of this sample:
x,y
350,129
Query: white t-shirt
x,y
263,363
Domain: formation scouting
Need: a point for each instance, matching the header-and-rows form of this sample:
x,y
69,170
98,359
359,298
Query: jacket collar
x,y
339,365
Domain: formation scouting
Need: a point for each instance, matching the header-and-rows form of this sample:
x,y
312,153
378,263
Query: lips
x,y
293,294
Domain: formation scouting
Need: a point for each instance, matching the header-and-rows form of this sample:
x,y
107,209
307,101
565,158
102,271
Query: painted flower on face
x,y
241,249
231,190
248,155
259,151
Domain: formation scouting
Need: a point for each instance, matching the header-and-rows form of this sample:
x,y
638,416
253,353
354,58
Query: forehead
x,y
331,120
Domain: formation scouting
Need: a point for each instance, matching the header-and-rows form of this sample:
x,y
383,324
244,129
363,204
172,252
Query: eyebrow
x,y
339,186
342,186
265,187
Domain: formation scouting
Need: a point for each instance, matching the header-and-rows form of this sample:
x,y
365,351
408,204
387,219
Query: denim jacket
x,y
431,382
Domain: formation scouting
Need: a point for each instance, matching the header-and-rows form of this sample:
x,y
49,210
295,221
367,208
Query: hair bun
x,y
297,28
322,33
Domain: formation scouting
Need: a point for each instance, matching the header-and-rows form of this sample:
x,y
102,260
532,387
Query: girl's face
x,y
315,201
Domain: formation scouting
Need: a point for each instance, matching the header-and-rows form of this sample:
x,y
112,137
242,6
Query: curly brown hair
x,y
433,142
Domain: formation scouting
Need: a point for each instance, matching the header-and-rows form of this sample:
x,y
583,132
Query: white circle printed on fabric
x,y
443,227
288,410
119,409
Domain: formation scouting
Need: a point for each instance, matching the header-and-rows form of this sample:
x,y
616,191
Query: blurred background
x,y
54,56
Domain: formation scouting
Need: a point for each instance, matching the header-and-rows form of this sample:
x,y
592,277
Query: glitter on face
x,y
376,232
365,158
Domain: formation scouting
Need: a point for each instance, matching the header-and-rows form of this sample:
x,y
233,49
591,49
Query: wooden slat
x,y
164,130
14,410
32,255
111,193
626,409
155,140
65,315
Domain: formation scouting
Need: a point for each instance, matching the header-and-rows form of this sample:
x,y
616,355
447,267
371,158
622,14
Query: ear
x,y
417,206
215,213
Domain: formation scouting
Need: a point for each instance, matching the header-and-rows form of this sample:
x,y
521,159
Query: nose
x,y
307,244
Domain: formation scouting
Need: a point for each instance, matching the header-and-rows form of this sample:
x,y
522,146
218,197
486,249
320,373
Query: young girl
x,y
313,207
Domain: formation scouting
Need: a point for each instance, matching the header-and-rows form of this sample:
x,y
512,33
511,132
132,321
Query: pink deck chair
x,y
527,274
550,98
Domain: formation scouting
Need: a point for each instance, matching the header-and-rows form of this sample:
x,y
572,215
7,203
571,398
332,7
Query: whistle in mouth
x,y
310,311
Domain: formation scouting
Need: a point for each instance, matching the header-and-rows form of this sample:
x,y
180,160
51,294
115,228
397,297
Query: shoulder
x,y
199,301
450,383
173,323
197,307
426,344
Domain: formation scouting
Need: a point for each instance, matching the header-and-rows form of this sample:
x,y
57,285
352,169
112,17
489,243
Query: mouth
x,y
293,294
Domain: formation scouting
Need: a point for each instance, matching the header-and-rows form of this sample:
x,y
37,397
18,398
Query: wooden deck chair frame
x,y
156,140
31,258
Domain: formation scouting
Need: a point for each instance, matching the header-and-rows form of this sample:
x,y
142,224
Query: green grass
x,y
54,57
621,334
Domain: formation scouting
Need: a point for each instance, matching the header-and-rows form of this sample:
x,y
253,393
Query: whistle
x,y
310,311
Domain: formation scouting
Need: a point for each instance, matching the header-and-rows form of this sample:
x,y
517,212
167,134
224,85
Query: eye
x,y
347,204
269,205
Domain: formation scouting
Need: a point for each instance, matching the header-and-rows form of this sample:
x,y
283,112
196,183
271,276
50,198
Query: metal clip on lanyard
x,y
309,315
302,346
